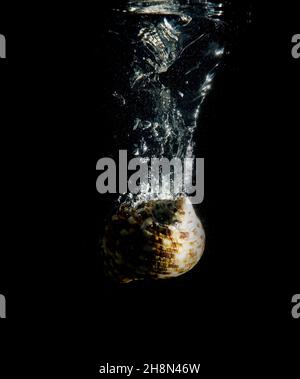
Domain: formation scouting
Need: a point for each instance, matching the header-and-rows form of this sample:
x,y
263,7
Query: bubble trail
x,y
175,48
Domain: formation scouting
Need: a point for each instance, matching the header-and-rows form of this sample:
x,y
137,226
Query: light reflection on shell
x,y
159,239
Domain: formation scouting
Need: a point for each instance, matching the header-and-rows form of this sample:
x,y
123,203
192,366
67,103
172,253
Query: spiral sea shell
x,y
158,239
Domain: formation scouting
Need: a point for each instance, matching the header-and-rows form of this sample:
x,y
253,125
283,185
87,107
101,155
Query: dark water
x,y
171,52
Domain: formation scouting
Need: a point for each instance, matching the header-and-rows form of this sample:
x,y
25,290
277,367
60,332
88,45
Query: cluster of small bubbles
x,y
175,52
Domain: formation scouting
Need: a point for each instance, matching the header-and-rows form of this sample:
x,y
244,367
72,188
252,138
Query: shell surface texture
x,y
157,239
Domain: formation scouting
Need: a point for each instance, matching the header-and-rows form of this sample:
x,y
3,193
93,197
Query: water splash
x,y
175,48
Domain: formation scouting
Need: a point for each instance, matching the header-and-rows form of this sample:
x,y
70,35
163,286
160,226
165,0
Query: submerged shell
x,y
158,239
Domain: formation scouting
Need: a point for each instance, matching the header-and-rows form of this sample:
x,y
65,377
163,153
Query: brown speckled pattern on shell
x,y
158,239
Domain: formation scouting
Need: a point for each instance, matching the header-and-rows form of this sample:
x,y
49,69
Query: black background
x,y
233,312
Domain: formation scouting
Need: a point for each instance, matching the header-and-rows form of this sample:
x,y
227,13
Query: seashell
x,y
158,239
